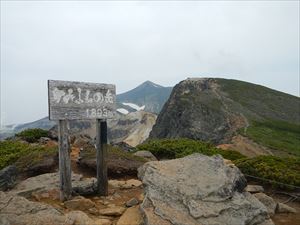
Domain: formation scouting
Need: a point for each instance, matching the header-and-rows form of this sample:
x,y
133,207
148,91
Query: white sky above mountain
x,y
126,43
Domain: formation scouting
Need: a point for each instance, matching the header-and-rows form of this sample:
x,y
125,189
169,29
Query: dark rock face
x,y
198,189
194,110
8,177
210,109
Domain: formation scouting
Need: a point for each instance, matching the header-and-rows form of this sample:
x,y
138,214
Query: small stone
x,y
131,216
93,211
116,183
146,155
254,188
79,204
114,211
116,195
132,183
267,201
132,202
102,222
77,217
283,208
141,197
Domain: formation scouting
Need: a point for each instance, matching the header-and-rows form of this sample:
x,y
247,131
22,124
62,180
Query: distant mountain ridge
x,y
148,96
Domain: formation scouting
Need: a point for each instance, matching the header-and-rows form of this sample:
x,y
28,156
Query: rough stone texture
x,y
146,155
132,216
79,204
131,183
49,183
268,202
8,177
198,189
132,202
283,208
17,210
102,222
112,211
254,188
196,109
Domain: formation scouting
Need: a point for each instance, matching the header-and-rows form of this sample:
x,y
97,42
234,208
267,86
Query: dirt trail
x,y
74,166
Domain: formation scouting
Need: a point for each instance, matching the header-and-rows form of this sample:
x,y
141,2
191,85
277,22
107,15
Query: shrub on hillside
x,y
284,170
32,135
176,148
13,151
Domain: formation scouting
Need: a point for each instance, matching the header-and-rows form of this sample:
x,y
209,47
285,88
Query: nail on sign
x,y
79,100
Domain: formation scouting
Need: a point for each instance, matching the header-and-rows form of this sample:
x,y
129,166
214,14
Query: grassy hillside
x,y
259,102
273,116
278,135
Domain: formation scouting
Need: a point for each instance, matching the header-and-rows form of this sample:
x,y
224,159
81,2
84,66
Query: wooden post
x,y
64,161
101,143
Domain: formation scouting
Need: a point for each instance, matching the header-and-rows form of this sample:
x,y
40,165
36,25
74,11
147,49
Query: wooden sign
x,y
78,100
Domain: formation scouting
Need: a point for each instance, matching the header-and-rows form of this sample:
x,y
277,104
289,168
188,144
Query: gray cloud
x,y
127,43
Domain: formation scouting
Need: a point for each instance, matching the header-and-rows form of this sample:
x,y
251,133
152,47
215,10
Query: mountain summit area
x,y
225,111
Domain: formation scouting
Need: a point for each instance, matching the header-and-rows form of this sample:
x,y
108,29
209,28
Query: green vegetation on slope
x,y
176,148
277,135
17,152
32,135
113,152
262,102
284,170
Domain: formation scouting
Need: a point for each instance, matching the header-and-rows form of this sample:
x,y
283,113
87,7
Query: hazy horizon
x,y
127,43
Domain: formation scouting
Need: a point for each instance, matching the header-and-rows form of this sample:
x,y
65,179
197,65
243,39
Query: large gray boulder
x,y
8,176
198,189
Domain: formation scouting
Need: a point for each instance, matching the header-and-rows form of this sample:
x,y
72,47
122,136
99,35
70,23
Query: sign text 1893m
x,y
78,100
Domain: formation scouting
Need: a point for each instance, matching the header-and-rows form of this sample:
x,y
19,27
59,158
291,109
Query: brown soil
x,y
287,218
116,197
246,146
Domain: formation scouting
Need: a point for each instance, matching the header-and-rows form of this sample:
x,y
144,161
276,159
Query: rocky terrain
x,y
196,189
216,110
132,128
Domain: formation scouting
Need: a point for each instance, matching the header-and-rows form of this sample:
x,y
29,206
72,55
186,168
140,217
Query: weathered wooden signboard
x,y
81,101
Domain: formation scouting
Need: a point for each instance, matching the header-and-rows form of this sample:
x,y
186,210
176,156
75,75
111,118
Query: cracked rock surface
x,y
198,189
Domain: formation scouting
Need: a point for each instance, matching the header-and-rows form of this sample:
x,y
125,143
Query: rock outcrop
x,y
198,189
132,128
214,110
268,202
8,176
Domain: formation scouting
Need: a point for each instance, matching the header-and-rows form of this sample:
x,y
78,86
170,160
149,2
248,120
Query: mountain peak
x,y
149,83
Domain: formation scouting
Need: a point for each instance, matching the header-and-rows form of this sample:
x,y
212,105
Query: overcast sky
x,y
127,43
